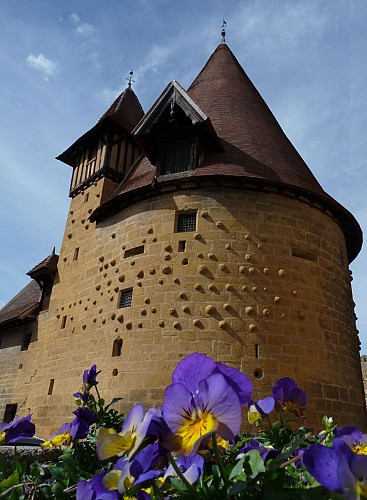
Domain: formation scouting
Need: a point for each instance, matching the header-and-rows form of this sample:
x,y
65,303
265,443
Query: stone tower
x,y
197,227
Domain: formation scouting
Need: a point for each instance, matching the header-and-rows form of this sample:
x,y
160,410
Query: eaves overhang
x,y
193,180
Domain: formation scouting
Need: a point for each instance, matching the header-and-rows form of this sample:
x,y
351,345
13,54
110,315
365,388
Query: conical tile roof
x,y
251,136
126,110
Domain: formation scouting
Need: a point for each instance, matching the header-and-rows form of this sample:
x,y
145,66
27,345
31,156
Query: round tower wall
x,y
262,284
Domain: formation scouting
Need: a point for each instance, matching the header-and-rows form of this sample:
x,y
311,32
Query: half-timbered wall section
x,y
112,155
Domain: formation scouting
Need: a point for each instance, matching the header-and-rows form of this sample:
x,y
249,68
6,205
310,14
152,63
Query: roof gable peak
x,y
173,94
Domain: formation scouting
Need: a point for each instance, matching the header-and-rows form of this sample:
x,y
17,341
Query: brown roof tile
x,y
25,300
49,263
126,111
251,136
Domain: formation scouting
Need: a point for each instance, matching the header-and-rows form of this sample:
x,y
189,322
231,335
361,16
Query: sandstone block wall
x,y
262,284
12,360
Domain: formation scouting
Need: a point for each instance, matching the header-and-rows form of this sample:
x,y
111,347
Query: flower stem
x,y
218,459
178,472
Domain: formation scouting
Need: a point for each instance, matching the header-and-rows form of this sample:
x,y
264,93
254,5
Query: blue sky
x,y
63,63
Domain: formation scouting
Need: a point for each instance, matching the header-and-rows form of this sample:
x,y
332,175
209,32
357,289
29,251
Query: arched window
x,y
117,347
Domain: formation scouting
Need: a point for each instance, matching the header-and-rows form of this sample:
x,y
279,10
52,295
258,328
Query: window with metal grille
x,y
186,223
126,297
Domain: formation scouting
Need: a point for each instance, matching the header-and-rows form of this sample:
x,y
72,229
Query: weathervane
x,y
223,33
130,79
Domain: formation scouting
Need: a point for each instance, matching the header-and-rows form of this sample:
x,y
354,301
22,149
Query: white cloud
x,y
42,64
81,29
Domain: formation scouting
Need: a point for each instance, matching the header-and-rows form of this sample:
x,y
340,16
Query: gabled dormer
x,y
108,149
175,133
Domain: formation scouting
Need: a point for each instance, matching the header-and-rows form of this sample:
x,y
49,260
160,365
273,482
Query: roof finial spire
x,y
223,33
130,79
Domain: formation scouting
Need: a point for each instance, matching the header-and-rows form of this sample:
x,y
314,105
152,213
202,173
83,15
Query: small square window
x,y
126,298
186,222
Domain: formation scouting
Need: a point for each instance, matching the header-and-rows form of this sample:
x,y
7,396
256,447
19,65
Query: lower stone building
x,y
193,227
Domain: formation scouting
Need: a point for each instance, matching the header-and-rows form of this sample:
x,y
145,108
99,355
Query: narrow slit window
x,y
126,298
63,322
86,197
51,387
134,251
257,351
76,254
117,347
186,222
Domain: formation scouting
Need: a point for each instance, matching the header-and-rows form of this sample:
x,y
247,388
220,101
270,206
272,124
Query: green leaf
x,y
58,491
236,488
237,469
178,484
58,472
10,481
256,463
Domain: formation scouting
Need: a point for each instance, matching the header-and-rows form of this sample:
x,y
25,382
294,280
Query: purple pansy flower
x,y
196,367
191,467
90,377
89,416
288,396
266,452
18,428
213,407
111,443
94,489
126,474
68,432
355,439
256,411
338,468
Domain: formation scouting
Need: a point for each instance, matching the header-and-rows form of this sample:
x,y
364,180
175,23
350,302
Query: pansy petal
x,y
266,405
145,459
177,405
23,429
114,444
192,369
239,382
111,479
102,432
133,419
218,397
322,463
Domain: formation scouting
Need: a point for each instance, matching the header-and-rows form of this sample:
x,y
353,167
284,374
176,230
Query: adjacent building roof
x,y
255,148
23,304
47,266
